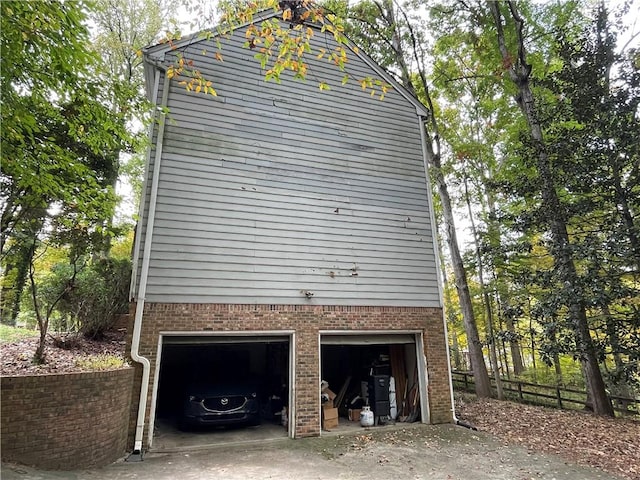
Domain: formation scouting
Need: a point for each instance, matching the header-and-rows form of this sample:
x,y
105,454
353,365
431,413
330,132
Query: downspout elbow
x,y
146,370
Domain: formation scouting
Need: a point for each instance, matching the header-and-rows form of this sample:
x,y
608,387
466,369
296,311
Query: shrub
x,y
101,362
100,292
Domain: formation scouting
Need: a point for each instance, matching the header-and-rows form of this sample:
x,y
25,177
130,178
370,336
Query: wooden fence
x,y
544,394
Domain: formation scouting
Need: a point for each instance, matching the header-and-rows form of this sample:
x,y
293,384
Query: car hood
x,y
221,389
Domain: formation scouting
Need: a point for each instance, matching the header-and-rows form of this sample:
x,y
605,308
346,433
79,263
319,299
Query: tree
x,y
597,157
400,47
519,70
121,29
56,128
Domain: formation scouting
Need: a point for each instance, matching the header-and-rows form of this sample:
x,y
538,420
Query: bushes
x,y
91,299
100,292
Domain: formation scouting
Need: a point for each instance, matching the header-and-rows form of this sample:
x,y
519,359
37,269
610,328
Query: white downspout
x,y
142,288
138,235
423,140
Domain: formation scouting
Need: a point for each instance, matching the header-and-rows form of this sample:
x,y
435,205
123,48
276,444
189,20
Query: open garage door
x,y
379,370
214,389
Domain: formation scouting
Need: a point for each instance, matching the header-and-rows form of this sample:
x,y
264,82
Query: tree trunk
x,y
480,374
491,340
450,317
503,300
627,216
519,71
533,346
457,359
556,359
514,347
505,359
43,320
433,158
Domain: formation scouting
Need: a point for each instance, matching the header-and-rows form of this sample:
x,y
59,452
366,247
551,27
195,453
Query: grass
x,y
10,334
101,362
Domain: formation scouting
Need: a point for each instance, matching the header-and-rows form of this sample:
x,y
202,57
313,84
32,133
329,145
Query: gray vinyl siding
x,y
272,190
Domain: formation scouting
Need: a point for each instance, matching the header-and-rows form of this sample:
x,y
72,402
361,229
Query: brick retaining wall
x,y
66,421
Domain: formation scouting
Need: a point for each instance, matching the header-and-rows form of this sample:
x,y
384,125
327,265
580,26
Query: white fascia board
x,y
421,110
155,54
159,50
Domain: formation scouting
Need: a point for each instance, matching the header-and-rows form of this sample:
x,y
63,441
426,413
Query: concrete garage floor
x,y
168,438
415,451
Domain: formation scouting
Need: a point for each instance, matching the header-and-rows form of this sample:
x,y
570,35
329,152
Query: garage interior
x,y
378,371
195,363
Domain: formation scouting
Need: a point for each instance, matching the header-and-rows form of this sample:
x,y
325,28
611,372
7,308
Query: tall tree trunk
x,y
556,357
627,216
519,71
532,335
514,347
486,301
503,300
494,235
505,359
476,357
434,160
450,316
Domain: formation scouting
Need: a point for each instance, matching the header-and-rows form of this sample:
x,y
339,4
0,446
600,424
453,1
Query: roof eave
x,y
154,55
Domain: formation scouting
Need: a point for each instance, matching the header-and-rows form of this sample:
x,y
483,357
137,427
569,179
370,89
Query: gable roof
x,y
155,54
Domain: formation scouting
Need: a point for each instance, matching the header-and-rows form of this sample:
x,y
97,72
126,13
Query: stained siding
x,y
269,191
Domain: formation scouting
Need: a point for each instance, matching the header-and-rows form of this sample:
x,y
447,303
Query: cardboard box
x,y
329,417
330,424
329,413
330,394
354,414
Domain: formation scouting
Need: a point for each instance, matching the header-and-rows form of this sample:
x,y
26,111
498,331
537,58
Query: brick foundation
x,y
306,321
66,421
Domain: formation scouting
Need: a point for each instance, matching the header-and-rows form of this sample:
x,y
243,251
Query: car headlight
x,y
193,398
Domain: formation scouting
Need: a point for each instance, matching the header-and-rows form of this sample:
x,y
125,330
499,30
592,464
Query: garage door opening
x,y
220,389
378,371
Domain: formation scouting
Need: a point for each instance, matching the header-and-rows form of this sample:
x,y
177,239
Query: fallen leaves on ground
x,y
17,356
611,444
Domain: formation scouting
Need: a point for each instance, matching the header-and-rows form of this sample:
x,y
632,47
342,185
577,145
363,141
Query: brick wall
x,y
306,321
66,421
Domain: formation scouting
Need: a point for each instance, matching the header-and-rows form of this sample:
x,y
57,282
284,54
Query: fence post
x,y
520,391
466,384
559,396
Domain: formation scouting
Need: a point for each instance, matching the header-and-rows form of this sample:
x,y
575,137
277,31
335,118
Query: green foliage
x,y
545,375
101,362
590,123
281,44
57,135
10,334
99,293
587,124
69,106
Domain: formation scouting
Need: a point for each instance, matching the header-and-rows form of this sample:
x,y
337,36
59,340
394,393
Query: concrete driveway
x,y
415,451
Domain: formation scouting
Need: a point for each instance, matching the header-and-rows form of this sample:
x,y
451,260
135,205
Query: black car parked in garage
x,y
221,404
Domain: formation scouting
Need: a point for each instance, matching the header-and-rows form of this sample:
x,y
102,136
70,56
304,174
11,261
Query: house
x,y
285,233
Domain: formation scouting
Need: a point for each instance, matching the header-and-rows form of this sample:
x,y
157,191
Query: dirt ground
x,y
515,442
611,444
443,452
